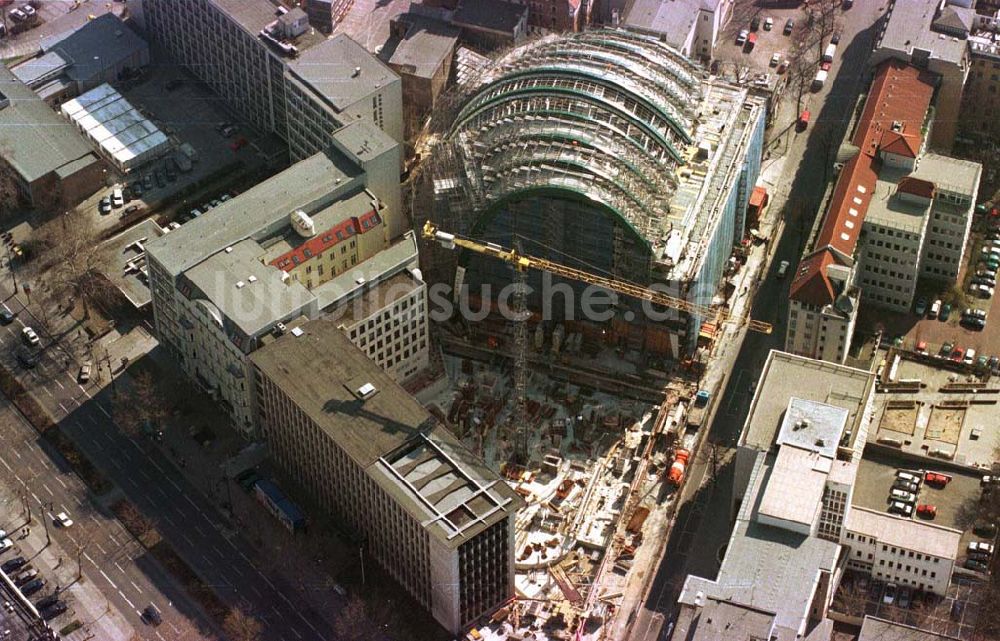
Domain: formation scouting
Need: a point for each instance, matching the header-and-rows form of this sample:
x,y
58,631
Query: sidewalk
x,y
58,567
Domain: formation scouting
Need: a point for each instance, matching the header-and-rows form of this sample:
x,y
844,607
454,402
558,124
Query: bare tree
x,y
73,272
352,622
142,404
240,626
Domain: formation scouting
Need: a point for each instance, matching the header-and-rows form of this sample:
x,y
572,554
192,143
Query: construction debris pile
x,y
593,459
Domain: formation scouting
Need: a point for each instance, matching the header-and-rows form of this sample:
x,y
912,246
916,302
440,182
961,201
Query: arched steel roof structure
x,y
605,115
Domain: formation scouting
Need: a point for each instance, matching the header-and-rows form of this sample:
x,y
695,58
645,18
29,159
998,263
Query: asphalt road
x,y
807,168
110,557
184,517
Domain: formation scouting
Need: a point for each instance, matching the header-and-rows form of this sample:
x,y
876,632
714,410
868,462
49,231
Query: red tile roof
x,y
916,186
901,144
893,115
810,284
319,243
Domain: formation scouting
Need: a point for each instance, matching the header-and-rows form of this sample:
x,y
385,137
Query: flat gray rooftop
x,y
786,376
766,568
672,20
909,28
423,48
953,174
389,434
386,263
813,426
308,184
252,15
342,71
33,138
249,294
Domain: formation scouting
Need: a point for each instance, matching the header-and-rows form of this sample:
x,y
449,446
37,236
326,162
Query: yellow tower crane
x,y
523,262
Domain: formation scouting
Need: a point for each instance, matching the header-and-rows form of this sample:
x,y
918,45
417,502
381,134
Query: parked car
x,y
32,586
28,10
985,529
901,508
945,312
63,519
835,38
137,189
935,309
980,546
17,15
6,316
978,566
946,350
161,180
104,206
783,66
53,610
902,495
957,354
117,198
993,363
908,476
741,37
46,601
973,322
789,26
970,356
147,181
84,374
25,576
6,544
922,347
13,564
768,24
889,597
921,306
937,478
754,23
27,359
904,597
927,511
775,59
30,336
131,209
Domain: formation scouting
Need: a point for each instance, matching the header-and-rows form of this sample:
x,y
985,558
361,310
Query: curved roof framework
x,y
603,114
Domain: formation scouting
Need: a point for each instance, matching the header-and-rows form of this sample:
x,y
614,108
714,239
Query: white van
x,y
117,199
819,80
935,309
830,52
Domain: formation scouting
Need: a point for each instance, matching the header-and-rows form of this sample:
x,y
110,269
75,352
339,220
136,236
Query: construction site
x,y
591,466
611,155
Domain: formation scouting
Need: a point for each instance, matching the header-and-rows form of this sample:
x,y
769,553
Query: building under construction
x,y
605,151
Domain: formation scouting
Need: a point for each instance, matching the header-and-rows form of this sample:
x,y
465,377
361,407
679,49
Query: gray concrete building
x,y
51,165
102,50
431,513
274,70
301,243
692,27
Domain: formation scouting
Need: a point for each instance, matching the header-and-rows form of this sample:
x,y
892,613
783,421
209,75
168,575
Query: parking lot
x,y
194,119
910,329
862,595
